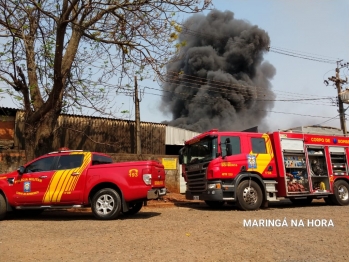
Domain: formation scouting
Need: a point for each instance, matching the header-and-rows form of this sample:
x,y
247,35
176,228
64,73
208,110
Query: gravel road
x,y
181,233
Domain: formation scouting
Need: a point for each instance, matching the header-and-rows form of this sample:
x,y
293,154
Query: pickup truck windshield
x,y
199,152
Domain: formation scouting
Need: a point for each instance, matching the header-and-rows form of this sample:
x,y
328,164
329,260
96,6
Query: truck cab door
x,y
30,187
68,182
261,157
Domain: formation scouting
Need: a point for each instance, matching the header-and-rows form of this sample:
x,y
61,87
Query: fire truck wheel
x,y
340,193
2,207
301,201
214,204
249,195
133,208
106,204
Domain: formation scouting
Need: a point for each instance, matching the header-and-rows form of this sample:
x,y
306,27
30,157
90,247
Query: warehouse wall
x,y
100,134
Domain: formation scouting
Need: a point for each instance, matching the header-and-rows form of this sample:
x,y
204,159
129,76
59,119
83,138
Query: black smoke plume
x,y
219,79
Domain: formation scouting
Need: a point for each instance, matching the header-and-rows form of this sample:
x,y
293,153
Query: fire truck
x,y
252,169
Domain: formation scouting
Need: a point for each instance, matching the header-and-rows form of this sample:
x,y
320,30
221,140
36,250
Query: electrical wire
x,y
192,82
294,54
185,95
333,118
269,111
282,51
312,54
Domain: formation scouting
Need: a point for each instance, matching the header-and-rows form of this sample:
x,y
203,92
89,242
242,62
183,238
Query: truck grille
x,y
196,180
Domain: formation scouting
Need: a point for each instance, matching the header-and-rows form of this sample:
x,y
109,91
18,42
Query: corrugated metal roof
x,y
111,119
323,130
5,110
8,111
177,136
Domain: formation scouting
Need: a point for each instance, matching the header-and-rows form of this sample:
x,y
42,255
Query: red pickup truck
x,y
76,179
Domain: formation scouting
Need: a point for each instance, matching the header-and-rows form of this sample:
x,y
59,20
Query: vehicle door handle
x,y
42,177
75,174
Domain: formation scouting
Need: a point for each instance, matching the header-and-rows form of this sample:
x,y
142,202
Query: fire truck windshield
x,y
201,151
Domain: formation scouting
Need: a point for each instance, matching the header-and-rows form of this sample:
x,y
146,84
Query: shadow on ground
x,y
70,215
282,204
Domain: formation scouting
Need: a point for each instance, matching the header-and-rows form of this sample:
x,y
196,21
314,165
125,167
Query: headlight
x,y
214,186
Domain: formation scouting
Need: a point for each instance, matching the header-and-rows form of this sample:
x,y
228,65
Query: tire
x,y
3,208
214,204
133,208
249,195
301,201
340,193
106,204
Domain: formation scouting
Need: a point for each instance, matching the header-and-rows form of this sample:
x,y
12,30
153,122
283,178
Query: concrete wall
x,y
11,159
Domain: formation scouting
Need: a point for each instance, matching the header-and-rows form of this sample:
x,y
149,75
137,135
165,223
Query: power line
x,y
188,80
201,80
312,54
333,118
282,51
270,111
258,100
303,57
297,54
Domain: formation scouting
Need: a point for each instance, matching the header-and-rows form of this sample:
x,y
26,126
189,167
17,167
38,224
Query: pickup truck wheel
x,y
249,195
133,208
214,204
106,204
340,193
2,207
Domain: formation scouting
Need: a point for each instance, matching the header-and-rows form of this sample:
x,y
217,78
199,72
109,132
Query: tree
x,y
60,56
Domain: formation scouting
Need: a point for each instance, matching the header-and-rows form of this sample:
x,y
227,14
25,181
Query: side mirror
x,y
180,159
229,149
21,170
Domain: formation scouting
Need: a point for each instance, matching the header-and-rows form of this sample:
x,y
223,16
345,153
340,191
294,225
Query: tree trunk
x,y
39,135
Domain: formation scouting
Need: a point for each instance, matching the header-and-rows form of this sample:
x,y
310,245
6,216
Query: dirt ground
x,y
173,229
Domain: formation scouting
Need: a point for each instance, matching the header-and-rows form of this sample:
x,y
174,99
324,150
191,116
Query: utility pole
x,y
338,81
138,120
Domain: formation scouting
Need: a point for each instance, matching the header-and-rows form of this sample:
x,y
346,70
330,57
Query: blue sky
x,y
318,28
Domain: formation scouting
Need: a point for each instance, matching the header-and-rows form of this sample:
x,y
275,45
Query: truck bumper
x,y
217,196
156,193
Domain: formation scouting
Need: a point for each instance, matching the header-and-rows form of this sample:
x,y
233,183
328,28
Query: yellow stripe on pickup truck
x,y
63,181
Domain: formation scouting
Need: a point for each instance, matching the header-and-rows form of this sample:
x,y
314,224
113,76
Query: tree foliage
x,y
74,54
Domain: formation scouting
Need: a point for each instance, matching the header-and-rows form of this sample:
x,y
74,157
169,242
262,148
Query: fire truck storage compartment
x,y
338,161
297,181
296,178
318,170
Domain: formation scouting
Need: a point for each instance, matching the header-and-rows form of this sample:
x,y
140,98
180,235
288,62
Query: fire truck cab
x,y
251,169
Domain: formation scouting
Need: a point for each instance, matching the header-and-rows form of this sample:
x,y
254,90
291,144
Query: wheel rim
x,y
105,204
343,193
250,195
